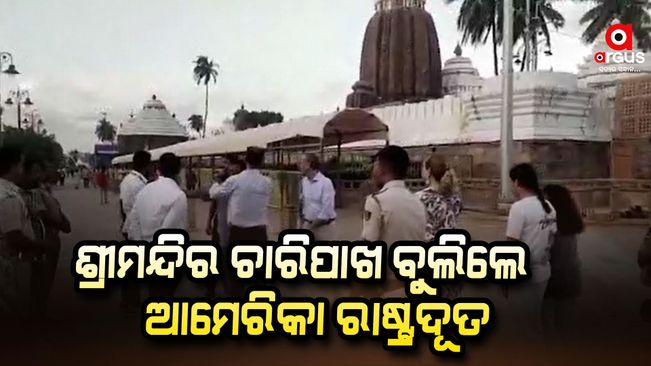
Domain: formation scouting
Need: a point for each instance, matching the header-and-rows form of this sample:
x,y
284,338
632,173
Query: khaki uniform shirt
x,y
14,273
394,214
14,215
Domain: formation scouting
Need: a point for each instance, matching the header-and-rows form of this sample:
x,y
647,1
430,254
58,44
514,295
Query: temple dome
x,y
400,54
459,75
152,120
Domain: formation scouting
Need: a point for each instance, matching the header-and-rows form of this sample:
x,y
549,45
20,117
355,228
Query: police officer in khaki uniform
x,y
393,213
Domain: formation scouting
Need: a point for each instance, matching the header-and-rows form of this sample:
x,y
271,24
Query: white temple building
x,y
564,123
153,127
460,76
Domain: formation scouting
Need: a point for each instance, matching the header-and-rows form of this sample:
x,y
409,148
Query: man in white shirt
x,y
317,200
248,195
132,183
130,186
160,205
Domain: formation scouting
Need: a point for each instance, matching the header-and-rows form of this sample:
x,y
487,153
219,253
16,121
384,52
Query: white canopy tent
x,y
332,129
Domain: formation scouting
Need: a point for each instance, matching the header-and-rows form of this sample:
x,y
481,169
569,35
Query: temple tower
x,y
401,60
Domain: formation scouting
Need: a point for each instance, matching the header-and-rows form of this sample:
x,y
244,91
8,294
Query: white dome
x,y
459,75
152,120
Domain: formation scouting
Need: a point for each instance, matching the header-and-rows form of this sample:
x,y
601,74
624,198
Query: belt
x,y
327,222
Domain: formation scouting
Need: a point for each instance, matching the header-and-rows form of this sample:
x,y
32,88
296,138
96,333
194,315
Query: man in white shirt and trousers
x,y
160,205
130,186
317,200
248,195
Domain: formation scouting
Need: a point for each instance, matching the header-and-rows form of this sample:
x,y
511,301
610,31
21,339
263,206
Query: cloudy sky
x,y
298,57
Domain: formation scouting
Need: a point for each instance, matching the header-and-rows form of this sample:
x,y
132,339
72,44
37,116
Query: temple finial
x,y
458,51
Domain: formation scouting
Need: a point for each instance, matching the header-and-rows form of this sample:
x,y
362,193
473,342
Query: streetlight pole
x,y
527,37
22,97
11,70
506,138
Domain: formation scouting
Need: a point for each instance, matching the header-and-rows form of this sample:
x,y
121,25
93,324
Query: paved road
x,y
608,308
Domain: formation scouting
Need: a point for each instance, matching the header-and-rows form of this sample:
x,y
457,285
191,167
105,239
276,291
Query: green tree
x,y
600,16
205,71
105,130
480,19
196,123
36,145
244,119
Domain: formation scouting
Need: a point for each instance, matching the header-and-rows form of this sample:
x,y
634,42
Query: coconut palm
x,y
105,131
477,21
601,15
480,19
205,71
196,123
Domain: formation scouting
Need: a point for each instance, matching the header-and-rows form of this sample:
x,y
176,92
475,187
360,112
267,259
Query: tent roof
x,y
349,125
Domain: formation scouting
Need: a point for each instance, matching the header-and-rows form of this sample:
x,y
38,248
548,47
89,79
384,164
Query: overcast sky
x,y
298,57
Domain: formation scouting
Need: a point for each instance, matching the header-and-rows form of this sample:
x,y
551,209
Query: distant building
x,y
460,76
104,153
153,127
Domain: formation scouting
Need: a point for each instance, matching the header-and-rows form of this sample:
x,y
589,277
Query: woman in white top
x,y
532,220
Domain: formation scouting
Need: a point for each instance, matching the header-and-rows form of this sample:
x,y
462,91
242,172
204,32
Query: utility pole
x,y
506,139
528,54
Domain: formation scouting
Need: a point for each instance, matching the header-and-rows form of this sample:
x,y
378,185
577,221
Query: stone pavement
x,y
612,292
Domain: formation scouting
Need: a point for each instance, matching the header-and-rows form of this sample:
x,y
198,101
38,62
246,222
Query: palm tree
x,y
601,15
105,131
204,72
196,123
539,27
479,19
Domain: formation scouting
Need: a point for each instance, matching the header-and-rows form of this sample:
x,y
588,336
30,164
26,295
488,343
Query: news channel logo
x,y
622,58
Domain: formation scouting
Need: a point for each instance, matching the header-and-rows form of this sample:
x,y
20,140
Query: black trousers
x,y
254,233
42,279
130,291
258,234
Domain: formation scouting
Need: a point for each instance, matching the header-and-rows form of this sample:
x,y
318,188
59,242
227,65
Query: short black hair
x,y
313,160
396,159
141,159
9,157
254,156
32,160
240,163
169,165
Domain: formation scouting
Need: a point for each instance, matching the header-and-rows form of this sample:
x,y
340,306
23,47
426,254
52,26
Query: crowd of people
x,y
546,219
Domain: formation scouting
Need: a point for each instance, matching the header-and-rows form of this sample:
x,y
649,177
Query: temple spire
x,y
457,51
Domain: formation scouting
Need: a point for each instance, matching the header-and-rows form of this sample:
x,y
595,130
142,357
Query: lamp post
x,y
11,70
22,98
35,122
506,138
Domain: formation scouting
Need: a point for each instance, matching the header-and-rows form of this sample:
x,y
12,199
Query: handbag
x,y
644,259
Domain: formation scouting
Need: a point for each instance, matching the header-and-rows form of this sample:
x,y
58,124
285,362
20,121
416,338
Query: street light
x,y
22,98
11,70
